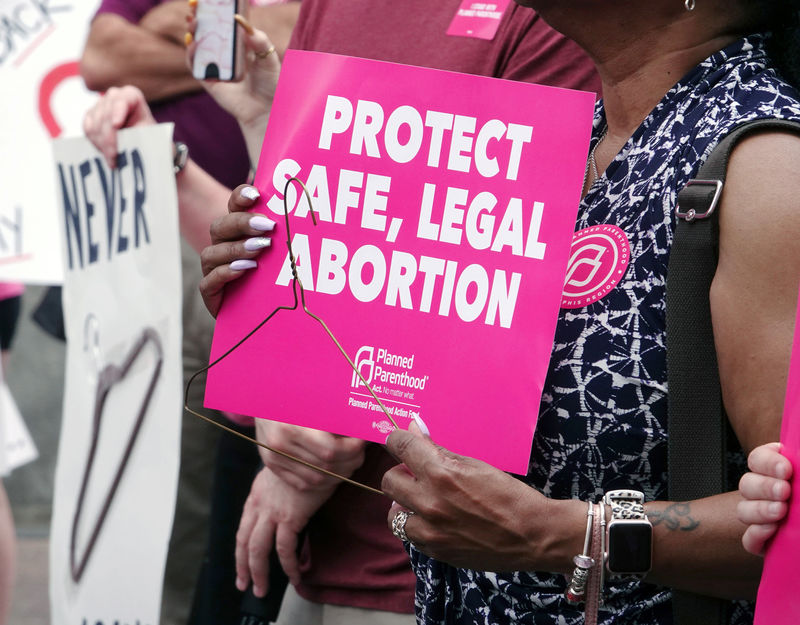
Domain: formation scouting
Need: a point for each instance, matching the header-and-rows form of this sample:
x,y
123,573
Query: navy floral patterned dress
x,y
603,418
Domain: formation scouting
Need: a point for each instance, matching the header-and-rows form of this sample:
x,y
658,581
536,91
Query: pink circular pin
x,y
598,259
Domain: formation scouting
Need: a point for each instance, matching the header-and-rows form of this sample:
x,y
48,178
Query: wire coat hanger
x,y
107,378
301,300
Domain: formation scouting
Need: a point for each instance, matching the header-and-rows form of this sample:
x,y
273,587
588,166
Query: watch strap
x,y
625,504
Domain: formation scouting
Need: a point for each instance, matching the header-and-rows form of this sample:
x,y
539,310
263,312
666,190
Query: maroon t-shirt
x,y
351,558
213,136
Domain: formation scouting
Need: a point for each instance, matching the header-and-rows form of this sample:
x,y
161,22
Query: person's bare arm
x,y
201,200
754,293
168,20
474,516
120,53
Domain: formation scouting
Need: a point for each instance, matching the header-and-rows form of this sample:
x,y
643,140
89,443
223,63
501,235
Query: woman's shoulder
x,y
762,96
751,90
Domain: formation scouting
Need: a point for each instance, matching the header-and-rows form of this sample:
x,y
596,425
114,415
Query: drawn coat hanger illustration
x,y
299,301
109,376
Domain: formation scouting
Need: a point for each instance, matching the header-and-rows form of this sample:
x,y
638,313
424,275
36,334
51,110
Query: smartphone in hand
x,y
220,46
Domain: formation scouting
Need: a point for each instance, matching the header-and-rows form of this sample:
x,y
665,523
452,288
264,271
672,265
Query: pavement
x,y
36,378
30,604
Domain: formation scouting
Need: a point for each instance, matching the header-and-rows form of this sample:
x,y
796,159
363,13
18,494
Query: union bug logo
x,y
599,257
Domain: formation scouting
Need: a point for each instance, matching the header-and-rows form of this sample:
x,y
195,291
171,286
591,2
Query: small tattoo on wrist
x,y
676,516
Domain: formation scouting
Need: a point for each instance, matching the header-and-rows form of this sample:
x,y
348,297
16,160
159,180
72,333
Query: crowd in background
x,y
457,541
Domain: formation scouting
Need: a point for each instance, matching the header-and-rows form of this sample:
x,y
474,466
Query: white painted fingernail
x,y
257,243
421,425
241,265
259,222
250,193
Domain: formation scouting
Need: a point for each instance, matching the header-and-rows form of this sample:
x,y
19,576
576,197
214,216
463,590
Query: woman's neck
x,y
640,57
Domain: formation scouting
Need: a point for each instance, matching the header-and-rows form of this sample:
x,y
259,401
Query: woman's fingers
x,y
286,541
243,237
239,223
258,550
764,491
755,537
226,252
757,486
761,512
189,41
768,460
256,40
212,285
119,107
246,524
237,239
243,198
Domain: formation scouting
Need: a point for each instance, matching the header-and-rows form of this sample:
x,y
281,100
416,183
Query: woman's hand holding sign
x,y
467,513
765,490
285,494
236,240
120,107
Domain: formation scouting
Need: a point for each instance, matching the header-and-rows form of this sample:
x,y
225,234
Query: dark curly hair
x,y
785,43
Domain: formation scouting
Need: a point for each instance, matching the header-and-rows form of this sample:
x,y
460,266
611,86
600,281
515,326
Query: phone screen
x,y
215,56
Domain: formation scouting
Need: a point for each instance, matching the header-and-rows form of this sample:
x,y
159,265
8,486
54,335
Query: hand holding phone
x,y
219,54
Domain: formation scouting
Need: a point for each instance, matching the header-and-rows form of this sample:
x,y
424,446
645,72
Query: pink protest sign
x,y
777,605
446,205
478,19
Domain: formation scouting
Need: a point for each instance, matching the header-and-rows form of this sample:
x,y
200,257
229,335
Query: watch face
x,y
629,546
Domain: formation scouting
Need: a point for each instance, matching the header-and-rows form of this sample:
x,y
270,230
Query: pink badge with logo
x,y
445,208
478,19
598,259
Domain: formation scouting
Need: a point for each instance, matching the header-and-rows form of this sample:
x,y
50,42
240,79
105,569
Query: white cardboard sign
x,y
117,466
41,42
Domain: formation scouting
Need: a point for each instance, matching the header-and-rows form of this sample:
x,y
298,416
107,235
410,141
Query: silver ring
x,y
399,524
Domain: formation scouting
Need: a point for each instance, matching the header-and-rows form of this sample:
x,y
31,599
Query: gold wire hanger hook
x,y
303,295
302,299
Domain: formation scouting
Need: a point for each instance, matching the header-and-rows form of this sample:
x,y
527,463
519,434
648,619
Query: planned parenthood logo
x,y
598,259
365,365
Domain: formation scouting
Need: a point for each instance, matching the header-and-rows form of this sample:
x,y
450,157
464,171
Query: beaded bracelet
x,y
576,589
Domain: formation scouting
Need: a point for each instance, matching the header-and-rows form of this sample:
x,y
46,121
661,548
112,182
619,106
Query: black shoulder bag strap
x,y
697,421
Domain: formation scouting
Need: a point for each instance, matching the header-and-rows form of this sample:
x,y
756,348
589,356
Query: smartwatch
x,y
629,536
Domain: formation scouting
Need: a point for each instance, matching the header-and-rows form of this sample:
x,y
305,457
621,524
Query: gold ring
x,y
265,53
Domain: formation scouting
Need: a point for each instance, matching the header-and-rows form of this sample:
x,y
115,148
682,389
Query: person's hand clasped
x,y
766,490
236,241
460,510
285,495
339,454
119,107
273,517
